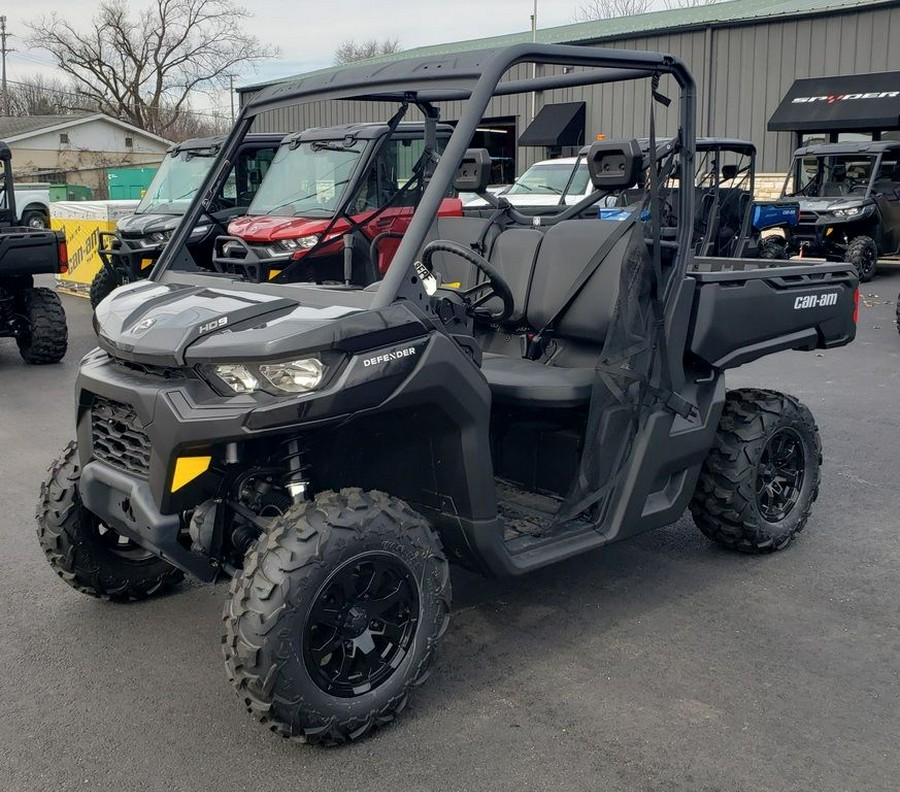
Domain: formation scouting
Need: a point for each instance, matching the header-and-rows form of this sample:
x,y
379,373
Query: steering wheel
x,y
494,286
213,219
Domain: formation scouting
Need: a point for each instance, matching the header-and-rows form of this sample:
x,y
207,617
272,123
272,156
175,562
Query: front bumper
x,y
826,235
177,414
126,504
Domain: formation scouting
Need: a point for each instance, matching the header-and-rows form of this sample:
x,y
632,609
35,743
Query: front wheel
x,y
336,616
89,556
862,253
104,284
759,481
773,248
42,335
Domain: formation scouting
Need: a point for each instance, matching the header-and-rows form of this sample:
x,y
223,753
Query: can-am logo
x,y
832,98
815,301
388,356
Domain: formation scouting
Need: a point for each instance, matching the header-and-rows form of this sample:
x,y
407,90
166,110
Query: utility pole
x,y
231,92
3,51
534,65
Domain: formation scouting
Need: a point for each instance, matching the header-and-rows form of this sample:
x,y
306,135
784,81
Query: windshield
x,y
831,176
723,168
545,178
578,186
175,183
307,180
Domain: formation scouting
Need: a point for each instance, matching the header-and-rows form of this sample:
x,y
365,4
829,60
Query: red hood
x,y
269,228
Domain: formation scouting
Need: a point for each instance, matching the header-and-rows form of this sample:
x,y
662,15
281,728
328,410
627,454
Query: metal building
x,y
745,56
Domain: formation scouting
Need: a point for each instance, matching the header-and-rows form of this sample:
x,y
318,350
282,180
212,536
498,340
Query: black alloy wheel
x,y
779,476
361,625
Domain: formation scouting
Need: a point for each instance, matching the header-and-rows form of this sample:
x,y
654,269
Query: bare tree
x,y
145,68
673,4
39,95
591,10
191,124
350,51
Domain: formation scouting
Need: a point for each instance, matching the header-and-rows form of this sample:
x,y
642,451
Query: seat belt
x,y
538,342
661,384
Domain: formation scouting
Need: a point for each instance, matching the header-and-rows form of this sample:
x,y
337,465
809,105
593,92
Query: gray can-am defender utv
x,y
331,447
849,203
130,251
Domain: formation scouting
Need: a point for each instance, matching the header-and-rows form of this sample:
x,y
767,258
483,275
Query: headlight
x,y
159,236
851,211
299,243
296,376
237,377
291,376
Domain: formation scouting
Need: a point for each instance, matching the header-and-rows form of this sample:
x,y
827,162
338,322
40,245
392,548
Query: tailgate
x,y
744,309
26,251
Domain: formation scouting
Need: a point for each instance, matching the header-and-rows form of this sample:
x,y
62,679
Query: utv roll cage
x,y
822,151
475,77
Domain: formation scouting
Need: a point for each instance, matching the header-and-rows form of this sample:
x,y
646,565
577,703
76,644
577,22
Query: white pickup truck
x,y
32,204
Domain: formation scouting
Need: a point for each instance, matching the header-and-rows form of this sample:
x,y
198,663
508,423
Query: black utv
x,y
849,201
332,447
32,315
128,252
724,179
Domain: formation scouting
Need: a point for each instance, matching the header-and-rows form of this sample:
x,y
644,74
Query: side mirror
x,y
729,172
615,164
474,172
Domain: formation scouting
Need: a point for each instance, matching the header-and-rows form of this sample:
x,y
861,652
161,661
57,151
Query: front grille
x,y
118,437
163,372
808,218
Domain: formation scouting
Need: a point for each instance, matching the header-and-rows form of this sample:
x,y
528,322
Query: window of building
x,y
129,141
63,138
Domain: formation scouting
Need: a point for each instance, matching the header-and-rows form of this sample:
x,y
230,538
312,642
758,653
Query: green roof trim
x,y
732,12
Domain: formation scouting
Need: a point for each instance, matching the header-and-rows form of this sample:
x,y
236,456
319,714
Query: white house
x,y
77,148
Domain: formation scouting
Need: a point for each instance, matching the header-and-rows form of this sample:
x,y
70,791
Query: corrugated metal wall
x,y
741,72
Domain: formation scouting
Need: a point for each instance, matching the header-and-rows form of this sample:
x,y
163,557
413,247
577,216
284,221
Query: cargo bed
x,y
744,309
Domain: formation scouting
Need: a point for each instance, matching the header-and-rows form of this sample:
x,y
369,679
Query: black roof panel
x,y
849,147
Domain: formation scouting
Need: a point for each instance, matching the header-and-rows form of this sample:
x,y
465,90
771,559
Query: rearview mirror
x,y
474,172
615,164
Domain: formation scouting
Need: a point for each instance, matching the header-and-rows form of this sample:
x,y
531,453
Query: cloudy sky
x,y
308,31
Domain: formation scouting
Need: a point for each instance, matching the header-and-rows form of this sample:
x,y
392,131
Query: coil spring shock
x,y
297,480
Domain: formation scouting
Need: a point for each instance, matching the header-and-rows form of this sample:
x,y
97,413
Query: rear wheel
x,y
336,616
89,556
104,284
862,253
42,335
761,477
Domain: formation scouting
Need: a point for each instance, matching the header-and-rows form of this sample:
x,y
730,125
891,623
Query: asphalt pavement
x,y
658,664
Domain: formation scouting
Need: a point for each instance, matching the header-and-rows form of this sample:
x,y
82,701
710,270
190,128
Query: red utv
x,y
335,203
